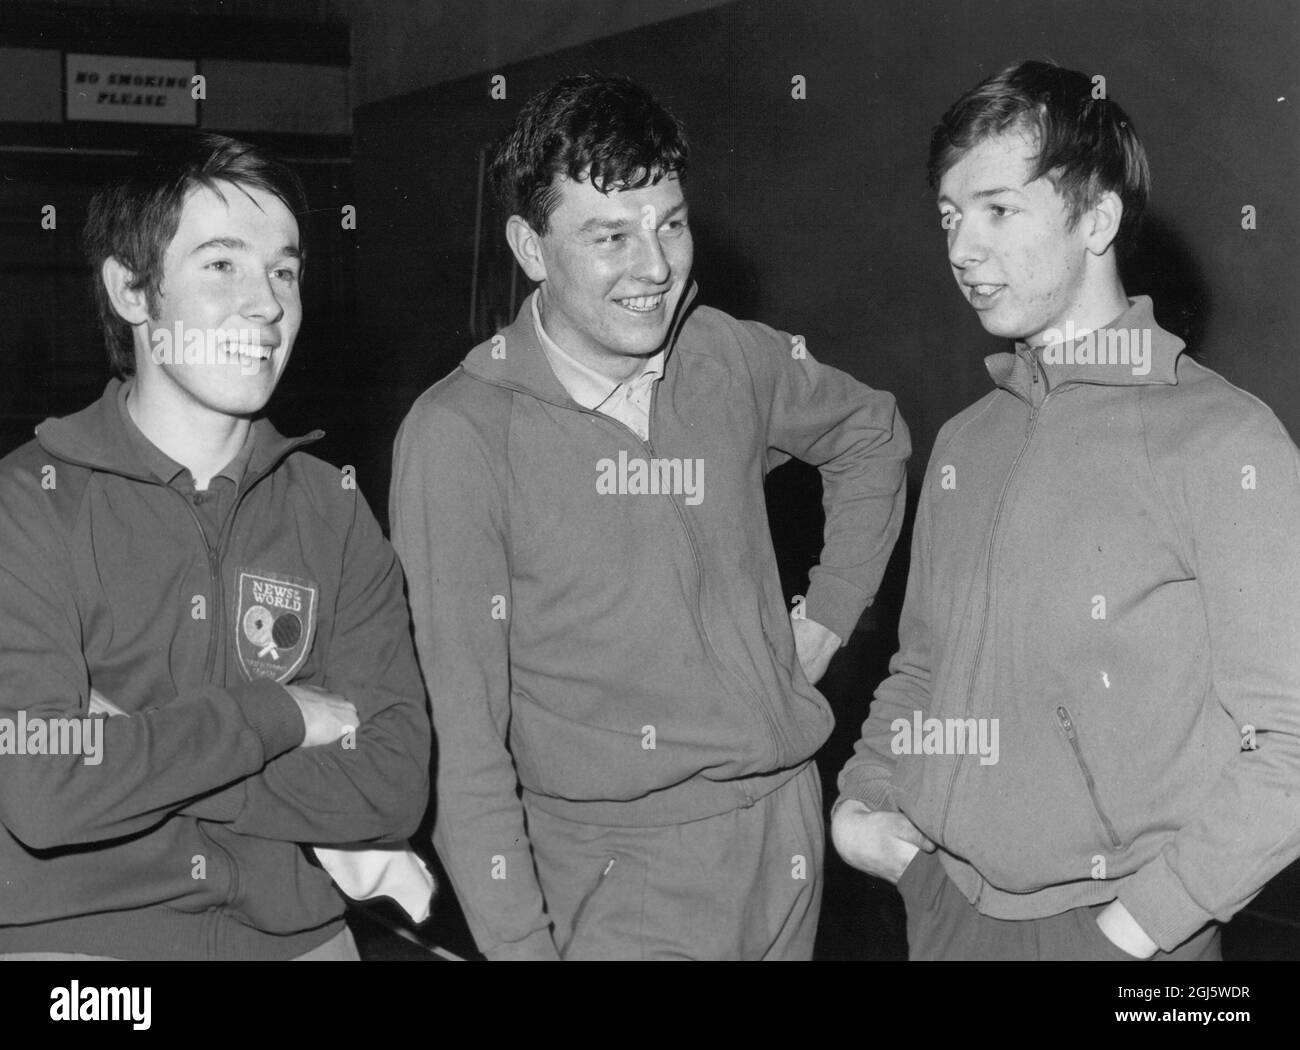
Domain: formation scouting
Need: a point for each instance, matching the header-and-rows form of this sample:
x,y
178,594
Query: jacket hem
x,y
164,935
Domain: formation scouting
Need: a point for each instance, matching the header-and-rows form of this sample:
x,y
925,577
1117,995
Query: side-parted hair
x,y
135,218
1086,146
603,128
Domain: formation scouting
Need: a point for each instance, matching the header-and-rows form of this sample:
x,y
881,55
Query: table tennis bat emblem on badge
x,y
275,622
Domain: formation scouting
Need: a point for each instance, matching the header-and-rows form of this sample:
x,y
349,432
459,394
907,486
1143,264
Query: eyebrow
x,y
981,194
236,244
621,224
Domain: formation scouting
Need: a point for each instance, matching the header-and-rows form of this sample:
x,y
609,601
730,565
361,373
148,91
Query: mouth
x,y
249,353
983,296
643,304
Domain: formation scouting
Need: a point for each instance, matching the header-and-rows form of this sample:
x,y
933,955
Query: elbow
x,y
37,829
406,798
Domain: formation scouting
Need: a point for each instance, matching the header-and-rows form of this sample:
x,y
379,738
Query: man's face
x,y
615,268
230,277
1010,245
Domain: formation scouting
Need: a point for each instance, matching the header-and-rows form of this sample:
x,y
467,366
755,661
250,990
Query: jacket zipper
x,y
1071,734
219,612
988,590
769,722
215,627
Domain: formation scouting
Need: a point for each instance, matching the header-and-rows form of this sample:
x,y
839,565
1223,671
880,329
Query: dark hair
x,y
604,128
135,218
1086,146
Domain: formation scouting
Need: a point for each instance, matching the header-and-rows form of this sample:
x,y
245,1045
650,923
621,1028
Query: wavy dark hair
x,y
135,218
590,126
1086,146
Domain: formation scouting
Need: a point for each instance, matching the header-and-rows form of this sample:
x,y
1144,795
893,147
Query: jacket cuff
x,y
272,714
834,603
538,946
873,792
1156,899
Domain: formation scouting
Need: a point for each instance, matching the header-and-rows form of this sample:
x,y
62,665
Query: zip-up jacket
x,y
618,647
185,839
1108,564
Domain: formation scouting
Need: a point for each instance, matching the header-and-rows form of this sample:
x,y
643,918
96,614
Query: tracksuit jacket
x,y
1108,564
184,841
625,656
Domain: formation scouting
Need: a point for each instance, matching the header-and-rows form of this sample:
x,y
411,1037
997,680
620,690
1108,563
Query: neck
x,y
615,367
1095,310
199,439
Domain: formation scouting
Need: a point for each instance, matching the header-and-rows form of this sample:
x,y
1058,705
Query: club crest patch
x,y
274,624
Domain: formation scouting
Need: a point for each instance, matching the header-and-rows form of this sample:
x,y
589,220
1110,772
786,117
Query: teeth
x,y
986,289
261,353
644,302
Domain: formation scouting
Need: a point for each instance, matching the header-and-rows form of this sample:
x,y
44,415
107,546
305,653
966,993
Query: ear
x,y
526,243
130,303
1103,222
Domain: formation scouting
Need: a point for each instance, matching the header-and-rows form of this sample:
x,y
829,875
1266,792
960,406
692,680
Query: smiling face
x,y
612,269
230,277
1011,247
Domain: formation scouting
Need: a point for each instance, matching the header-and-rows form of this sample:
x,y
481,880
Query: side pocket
x,y
580,912
1072,735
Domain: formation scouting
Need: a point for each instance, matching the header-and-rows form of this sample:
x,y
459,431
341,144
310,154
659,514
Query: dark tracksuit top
x,y
559,611
186,841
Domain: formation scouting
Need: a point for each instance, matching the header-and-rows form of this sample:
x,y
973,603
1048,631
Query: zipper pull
x,y
1064,716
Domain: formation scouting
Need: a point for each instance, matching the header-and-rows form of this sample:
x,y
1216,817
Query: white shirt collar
x,y
585,385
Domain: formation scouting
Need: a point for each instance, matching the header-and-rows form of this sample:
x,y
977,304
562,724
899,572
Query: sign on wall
x,y
130,90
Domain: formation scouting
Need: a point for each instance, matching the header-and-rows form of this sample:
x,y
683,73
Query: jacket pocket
x,y
1072,735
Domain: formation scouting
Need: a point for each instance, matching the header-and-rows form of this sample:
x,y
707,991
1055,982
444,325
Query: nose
x,y
259,301
651,265
965,246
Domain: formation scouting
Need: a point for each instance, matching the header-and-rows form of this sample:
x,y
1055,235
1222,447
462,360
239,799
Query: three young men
x,y
1105,578
625,709
166,556
1103,581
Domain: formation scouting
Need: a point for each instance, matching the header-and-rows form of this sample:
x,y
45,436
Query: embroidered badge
x,y
274,624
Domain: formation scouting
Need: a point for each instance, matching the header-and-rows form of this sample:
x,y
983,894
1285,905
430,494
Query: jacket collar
x,y
1133,350
96,437
514,358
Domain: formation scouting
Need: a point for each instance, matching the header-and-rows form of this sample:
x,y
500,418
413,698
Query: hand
x,y
328,716
1123,931
814,645
881,843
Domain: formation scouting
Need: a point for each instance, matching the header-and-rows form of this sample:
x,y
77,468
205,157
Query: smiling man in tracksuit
x,y
579,509
1105,580
168,558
